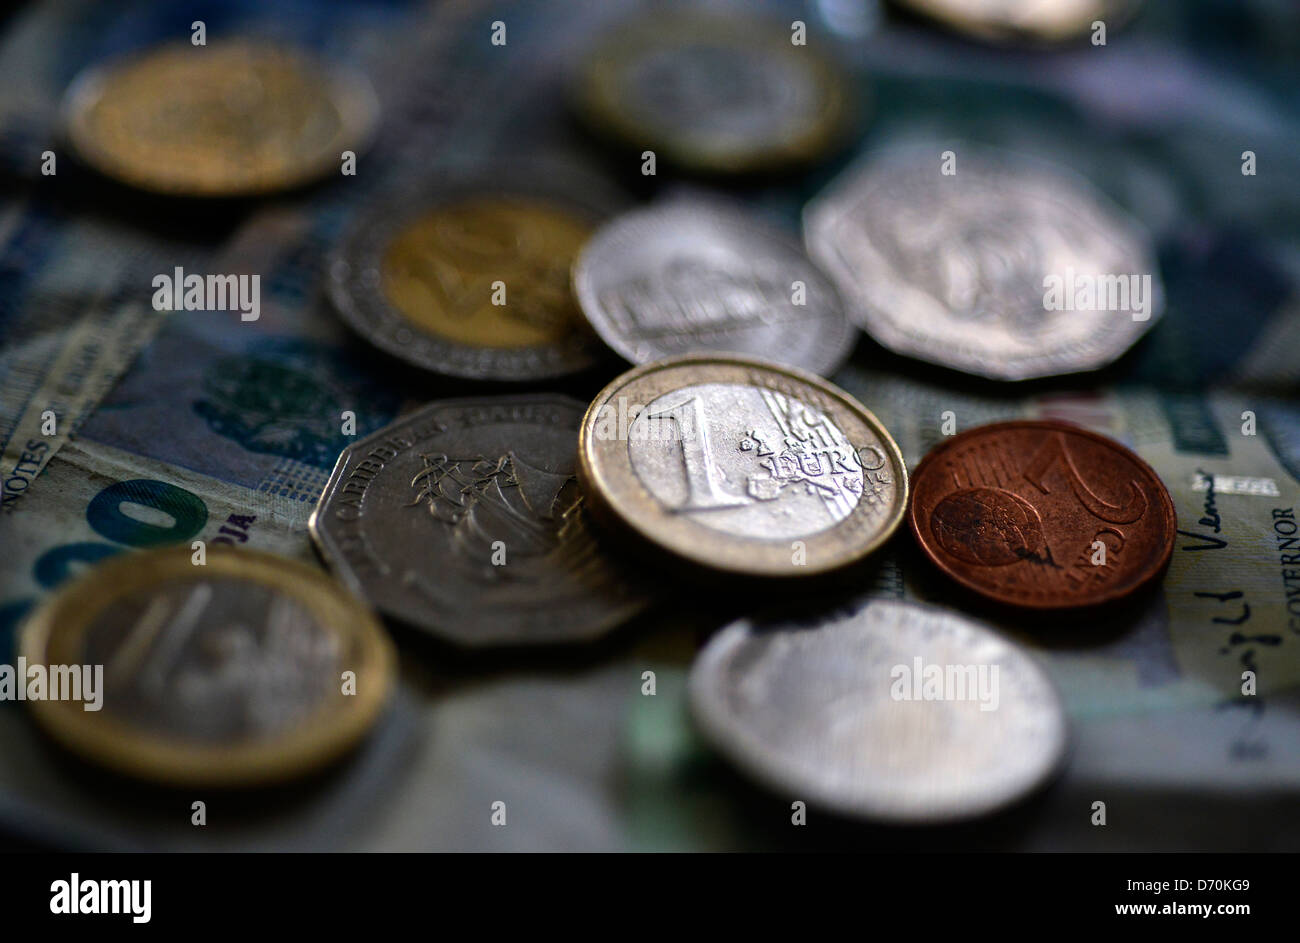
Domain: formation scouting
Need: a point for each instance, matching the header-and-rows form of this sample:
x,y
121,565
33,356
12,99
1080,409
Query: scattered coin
x,y
1043,515
960,269
1042,21
688,277
887,710
465,519
470,277
714,94
227,674
235,118
742,466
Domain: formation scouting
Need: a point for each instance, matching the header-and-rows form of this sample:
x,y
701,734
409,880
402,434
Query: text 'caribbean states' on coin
x,y
1008,268
236,118
887,710
465,519
689,277
1043,515
714,94
742,466
231,673
469,276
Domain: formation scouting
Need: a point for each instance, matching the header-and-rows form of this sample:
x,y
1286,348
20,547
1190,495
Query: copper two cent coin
x,y
1043,515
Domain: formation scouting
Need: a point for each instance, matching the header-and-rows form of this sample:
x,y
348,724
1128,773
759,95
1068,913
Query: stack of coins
x,y
721,459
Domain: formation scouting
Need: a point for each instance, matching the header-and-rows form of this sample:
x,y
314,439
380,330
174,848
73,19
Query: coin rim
x,y
714,554
837,349
598,103
1147,576
466,635
349,90
312,743
356,257
886,326
728,741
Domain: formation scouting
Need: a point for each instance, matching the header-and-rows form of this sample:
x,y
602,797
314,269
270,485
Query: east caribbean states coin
x,y
692,277
236,118
885,710
468,276
742,467
1042,515
232,673
714,94
465,519
1043,21
1008,268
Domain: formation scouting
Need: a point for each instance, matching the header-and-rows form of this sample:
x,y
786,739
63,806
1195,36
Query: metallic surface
x,y
743,466
420,275
236,118
691,277
825,710
228,673
952,268
465,519
713,94
1015,511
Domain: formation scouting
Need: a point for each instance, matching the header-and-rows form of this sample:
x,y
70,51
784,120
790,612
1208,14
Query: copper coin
x,y
1042,515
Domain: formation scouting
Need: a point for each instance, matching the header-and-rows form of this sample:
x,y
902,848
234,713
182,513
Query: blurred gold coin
x,y
440,269
236,118
233,673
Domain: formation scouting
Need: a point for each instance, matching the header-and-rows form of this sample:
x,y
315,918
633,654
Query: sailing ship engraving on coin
x,y
742,466
1042,515
960,269
843,711
236,118
465,519
692,277
713,94
230,673
470,277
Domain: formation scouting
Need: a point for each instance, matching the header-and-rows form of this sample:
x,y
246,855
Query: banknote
x,y
190,426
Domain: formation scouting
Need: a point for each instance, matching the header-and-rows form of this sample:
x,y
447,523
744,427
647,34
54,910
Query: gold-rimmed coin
x,y
714,94
248,669
742,466
236,118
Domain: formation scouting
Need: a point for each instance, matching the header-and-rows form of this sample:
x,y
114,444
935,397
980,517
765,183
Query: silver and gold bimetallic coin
x,y
232,673
885,710
741,466
960,269
693,277
714,94
465,519
1031,21
236,118
470,277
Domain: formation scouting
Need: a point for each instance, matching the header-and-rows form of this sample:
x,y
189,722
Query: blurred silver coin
x,y
714,94
693,277
886,710
1008,268
1038,21
465,519
468,275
